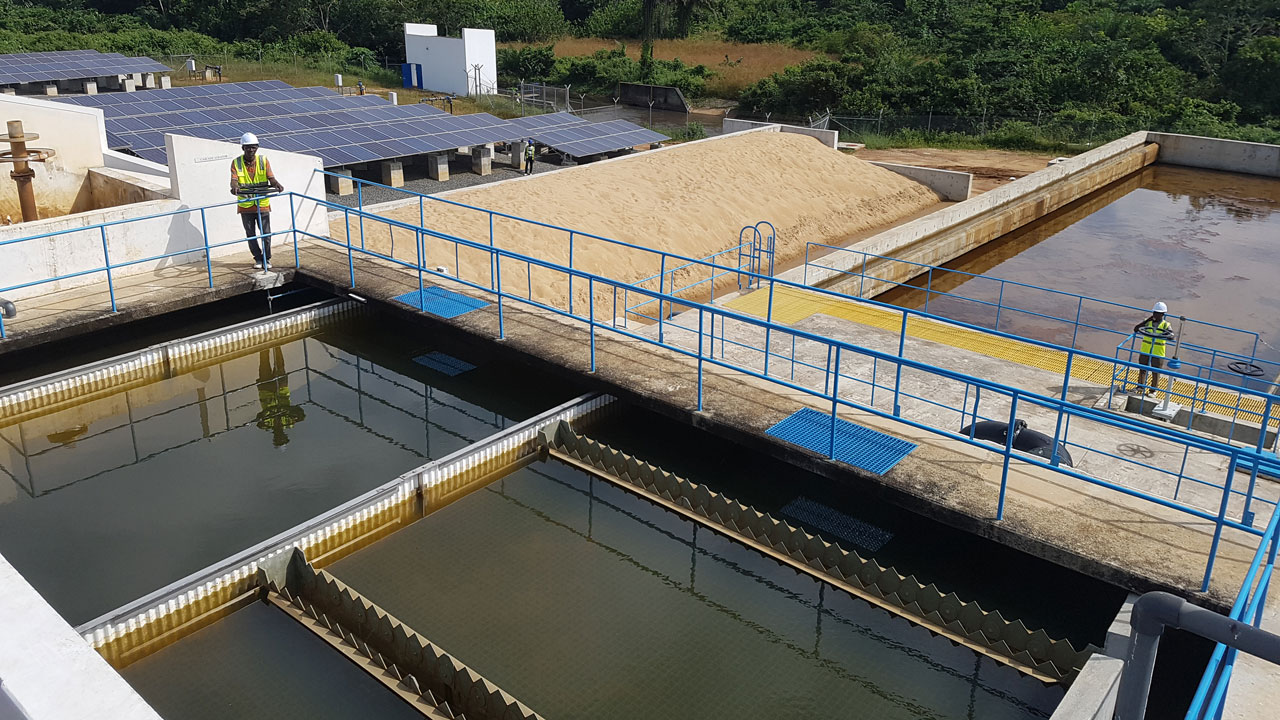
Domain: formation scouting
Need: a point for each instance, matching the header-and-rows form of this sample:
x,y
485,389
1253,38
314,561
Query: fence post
x,y
662,285
897,383
1008,452
591,318
768,328
497,268
999,306
835,398
1076,330
1222,515
928,288
570,262
700,322
1057,430
351,263
360,207
208,261
106,261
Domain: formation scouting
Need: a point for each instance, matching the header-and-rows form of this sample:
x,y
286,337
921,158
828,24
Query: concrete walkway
x,y
1130,542
85,308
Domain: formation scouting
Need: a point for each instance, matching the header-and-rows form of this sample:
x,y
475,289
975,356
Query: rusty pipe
x,y
22,173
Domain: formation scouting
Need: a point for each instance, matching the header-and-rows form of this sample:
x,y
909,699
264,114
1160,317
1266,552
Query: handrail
x,y
1076,352
1003,282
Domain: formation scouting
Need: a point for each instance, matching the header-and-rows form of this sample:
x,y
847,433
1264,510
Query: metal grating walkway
x,y
854,445
441,302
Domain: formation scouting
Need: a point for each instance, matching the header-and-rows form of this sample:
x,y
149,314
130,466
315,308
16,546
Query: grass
x,y
747,63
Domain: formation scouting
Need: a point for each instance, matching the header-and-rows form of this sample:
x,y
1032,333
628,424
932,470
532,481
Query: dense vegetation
x,y
1090,67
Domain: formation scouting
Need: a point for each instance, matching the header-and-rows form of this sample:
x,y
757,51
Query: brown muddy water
x,y
1204,242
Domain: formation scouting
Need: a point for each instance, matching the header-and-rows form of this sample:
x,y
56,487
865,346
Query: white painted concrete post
x,y
517,154
482,159
393,173
130,84
393,98
149,81
51,89
165,82
438,166
341,185
9,91
337,80
90,87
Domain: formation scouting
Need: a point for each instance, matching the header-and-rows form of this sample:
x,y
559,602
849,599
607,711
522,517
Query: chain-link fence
x,y
293,68
1059,127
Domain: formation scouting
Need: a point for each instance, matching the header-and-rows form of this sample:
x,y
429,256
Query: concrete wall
x,y
828,137
951,232
48,671
1093,694
78,135
111,188
1216,154
136,166
447,62
949,184
201,177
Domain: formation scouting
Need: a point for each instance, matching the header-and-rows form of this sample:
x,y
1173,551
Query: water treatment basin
x,y
584,601
113,498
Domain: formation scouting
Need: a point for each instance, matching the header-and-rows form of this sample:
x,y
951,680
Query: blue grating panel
x,y
444,363
438,301
837,525
855,445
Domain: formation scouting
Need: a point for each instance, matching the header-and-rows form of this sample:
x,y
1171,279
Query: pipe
x,y
22,173
8,309
1155,611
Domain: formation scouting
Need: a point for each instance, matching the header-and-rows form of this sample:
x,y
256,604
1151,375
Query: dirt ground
x,y
691,199
990,168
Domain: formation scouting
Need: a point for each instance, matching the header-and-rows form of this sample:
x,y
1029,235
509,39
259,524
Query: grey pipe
x,y
1155,611
8,309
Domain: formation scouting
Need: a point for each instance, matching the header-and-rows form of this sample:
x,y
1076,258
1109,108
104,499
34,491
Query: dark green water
x,y
1042,595
105,502
586,602
258,662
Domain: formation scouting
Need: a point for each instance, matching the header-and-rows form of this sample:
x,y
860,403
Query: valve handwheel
x,y
1246,369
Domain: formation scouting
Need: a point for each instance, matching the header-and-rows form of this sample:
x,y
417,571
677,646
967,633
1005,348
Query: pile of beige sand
x,y
689,200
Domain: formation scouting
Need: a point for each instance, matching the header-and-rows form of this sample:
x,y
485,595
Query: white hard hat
x,y
248,139
1160,307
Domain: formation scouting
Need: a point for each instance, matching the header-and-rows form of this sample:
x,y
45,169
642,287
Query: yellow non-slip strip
x,y
791,305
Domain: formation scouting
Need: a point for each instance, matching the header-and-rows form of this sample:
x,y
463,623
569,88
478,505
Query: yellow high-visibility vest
x,y
1154,346
247,179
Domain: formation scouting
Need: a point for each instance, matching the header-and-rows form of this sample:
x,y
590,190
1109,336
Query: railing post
x,y
208,260
806,262
977,400
351,261
1222,516
1008,453
360,207
768,329
1076,330
570,263
106,260
700,323
497,271
928,289
1057,429
897,382
862,277
293,223
826,376
662,286
835,400
591,319
421,262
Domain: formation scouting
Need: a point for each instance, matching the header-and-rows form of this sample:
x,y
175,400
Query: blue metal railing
x,y
1250,602
1077,307
826,376
98,233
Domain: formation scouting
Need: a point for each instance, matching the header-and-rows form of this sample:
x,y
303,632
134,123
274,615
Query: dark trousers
x,y
1155,362
528,165
252,221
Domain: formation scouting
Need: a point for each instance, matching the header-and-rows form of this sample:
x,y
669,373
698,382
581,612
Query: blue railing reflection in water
x,y
691,332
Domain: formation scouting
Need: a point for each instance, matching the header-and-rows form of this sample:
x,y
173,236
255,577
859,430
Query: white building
x,y
458,66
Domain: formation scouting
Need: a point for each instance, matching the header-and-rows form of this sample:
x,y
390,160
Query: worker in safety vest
x,y
278,412
1151,353
251,177
530,153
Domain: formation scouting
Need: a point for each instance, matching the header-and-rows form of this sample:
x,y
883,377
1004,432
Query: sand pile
x,y
692,200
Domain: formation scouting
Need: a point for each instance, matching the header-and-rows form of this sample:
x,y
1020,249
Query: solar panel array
x,y
339,129
71,65
573,136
